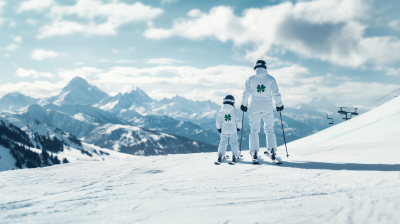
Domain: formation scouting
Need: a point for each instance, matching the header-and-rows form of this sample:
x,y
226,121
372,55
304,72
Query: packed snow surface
x,y
352,183
349,173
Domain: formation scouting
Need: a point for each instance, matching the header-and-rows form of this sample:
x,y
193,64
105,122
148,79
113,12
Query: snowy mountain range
x,y
85,111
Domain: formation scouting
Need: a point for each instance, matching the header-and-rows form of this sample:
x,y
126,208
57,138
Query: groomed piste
x,y
349,173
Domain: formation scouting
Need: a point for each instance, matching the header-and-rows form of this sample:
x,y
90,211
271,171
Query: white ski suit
x,y
228,120
261,87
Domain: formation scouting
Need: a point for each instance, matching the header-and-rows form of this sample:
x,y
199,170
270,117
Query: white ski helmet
x,y
260,64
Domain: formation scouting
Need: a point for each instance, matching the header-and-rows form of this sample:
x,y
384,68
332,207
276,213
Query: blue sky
x,y
347,50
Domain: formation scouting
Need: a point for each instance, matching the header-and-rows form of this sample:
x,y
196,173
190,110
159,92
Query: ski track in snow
x,y
329,184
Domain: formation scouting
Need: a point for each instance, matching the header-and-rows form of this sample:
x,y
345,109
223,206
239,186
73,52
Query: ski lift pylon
x,y
346,113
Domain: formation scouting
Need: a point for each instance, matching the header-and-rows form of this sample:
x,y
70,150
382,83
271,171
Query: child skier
x,y
229,122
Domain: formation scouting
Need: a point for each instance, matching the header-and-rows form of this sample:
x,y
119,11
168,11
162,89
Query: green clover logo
x,y
261,88
227,117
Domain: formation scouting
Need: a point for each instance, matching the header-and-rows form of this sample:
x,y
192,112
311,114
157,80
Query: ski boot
x,y
273,154
220,159
254,158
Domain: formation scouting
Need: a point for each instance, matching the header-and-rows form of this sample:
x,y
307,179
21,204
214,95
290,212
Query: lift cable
x,y
370,95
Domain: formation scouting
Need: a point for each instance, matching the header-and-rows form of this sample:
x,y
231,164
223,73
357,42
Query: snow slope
x,y
380,124
189,188
346,180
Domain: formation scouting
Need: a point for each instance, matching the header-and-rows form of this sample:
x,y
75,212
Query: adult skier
x,y
229,122
261,87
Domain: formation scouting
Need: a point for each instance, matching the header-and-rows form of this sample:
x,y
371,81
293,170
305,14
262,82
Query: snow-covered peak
x,y
14,94
138,94
134,97
78,90
321,102
15,101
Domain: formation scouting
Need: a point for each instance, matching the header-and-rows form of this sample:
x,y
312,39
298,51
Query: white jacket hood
x,y
227,108
261,71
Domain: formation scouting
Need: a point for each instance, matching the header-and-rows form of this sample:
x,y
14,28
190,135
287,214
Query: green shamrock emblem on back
x,y
227,117
261,88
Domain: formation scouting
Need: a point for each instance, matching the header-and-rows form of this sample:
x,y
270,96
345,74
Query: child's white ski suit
x,y
229,119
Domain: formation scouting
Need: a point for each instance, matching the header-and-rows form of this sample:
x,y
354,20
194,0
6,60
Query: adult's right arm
x,y
246,92
276,94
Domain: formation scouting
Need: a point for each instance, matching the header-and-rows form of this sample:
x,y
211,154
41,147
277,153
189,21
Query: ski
x,y
275,161
254,161
217,163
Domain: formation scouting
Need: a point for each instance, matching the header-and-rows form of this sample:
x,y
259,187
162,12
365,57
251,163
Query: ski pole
x,y
287,154
241,134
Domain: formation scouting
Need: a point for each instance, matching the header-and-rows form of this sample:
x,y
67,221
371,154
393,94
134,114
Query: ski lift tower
x,y
346,113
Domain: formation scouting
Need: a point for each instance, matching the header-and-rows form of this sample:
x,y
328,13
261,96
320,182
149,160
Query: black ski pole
x,y
241,134
287,154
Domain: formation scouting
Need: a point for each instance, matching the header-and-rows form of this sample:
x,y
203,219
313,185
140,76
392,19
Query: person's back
x,y
261,87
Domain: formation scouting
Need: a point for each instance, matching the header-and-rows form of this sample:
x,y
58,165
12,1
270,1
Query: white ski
x,y
254,161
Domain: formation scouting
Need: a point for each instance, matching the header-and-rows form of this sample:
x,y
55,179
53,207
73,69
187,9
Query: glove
x,y
243,108
279,108
238,129
219,130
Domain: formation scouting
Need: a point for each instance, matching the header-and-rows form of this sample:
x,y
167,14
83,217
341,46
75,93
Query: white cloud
x,y
126,61
35,5
31,21
395,24
329,30
2,4
40,54
84,72
114,13
393,71
37,89
18,39
114,51
27,73
213,83
104,60
195,13
7,55
163,61
12,23
79,63
12,47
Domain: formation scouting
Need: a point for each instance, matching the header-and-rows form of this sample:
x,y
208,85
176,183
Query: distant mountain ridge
x,y
15,101
81,108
